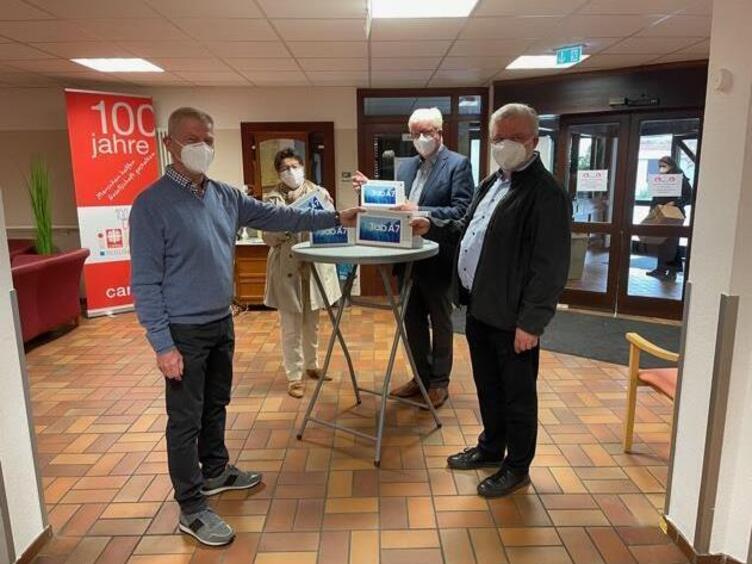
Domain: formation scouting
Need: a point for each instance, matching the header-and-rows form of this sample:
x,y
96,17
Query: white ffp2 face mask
x,y
197,157
509,155
425,145
292,177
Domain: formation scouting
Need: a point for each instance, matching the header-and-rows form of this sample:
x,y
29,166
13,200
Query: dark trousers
x,y
670,256
196,408
428,321
506,384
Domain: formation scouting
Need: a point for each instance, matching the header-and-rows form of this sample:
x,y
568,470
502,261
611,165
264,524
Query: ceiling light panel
x,y
119,65
399,9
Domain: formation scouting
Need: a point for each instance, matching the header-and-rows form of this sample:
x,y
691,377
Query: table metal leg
x,y
346,291
400,309
392,357
336,320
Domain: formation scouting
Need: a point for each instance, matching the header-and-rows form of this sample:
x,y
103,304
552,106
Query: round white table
x,y
384,258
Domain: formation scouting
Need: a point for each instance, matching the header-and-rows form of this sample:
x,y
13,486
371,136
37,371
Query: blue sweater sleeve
x,y
147,273
268,217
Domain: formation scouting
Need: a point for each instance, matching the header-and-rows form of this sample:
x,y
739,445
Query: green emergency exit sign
x,y
569,55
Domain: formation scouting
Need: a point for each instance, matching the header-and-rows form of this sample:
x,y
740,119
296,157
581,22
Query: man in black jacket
x,y
511,267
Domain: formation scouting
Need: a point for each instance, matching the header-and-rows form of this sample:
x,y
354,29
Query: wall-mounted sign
x,y
665,185
592,180
569,55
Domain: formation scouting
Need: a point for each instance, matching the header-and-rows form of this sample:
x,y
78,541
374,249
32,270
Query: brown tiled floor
x,y
98,407
595,274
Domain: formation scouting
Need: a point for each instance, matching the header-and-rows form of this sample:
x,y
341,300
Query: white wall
x,y
16,455
230,106
33,122
721,263
733,522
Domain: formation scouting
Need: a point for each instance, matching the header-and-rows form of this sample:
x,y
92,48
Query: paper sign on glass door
x,y
592,180
665,185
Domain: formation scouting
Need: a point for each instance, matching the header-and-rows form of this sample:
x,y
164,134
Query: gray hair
x,y
186,113
516,110
432,115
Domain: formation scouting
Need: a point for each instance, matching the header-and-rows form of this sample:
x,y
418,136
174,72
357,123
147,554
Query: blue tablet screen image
x,y
380,230
314,204
379,195
333,236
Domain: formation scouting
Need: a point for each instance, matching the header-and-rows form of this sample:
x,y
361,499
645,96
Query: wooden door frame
x,y
640,305
583,298
248,131
451,120
370,283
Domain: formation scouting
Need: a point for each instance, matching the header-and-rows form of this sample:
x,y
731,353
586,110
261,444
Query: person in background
x,y
440,182
512,261
182,238
290,286
669,261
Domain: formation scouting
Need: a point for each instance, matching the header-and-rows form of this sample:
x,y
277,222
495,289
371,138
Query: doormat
x,y
598,336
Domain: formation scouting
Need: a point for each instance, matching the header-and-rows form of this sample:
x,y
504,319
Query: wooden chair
x,y
662,380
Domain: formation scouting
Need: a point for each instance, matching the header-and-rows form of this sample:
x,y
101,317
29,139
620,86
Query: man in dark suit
x,y
511,266
440,182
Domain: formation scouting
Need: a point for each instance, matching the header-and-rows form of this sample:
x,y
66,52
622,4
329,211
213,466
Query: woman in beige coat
x,y
290,287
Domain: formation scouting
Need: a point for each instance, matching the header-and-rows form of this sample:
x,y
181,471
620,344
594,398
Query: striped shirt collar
x,y
183,181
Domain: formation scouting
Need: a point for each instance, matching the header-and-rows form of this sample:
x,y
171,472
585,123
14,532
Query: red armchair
x,y
48,289
20,247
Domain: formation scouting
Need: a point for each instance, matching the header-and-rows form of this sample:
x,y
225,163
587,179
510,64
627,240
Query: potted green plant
x,y
38,184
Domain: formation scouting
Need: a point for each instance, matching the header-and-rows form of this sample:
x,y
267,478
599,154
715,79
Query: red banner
x,y
114,156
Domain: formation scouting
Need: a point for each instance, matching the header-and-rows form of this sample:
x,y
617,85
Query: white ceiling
x,y
326,42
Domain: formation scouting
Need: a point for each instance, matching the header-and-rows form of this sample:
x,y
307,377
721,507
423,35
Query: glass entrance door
x,y
632,225
591,163
659,208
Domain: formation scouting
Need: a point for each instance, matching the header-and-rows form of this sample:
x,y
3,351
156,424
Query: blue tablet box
x,y
386,229
382,193
313,201
335,237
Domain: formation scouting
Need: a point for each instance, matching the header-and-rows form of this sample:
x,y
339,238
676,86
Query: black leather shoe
x,y
470,459
503,483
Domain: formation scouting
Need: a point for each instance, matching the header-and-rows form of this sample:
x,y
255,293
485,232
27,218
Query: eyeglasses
x,y
286,168
428,133
517,138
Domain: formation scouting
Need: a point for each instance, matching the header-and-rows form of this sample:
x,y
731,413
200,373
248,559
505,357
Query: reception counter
x,y
250,271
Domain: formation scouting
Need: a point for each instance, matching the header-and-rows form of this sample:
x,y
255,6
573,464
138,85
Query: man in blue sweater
x,y
182,237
